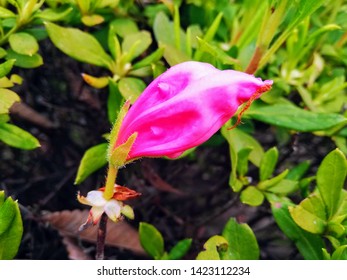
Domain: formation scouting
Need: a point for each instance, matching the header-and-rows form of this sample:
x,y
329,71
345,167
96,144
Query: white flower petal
x,y
96,213
113,209
96,198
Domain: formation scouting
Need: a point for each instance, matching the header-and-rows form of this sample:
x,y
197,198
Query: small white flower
x,y
112,207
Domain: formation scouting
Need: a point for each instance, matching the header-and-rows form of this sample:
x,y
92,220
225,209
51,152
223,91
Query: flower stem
x,y
254,64
110,181
100,241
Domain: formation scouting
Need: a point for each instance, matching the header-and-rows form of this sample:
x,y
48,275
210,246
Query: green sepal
x,y
128,212
116,127
120,154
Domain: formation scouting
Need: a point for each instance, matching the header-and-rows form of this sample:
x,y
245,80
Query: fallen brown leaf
x,y
75,252
25,112
118,234
153,177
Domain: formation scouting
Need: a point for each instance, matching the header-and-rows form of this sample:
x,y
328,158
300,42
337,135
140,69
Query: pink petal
x,y
184,107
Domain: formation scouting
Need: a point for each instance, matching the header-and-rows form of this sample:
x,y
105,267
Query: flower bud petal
x,y
184,107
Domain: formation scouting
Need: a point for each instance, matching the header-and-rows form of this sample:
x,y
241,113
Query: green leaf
x,y
242,160
79,45
2,198
335,229
284,187
4,118
25,61
92,20
252,196
173,56
148,60
114,101
242,242
333,240
165,34
180,249
211,31
5,13
264,185
7,213
216,52
114,44
131,88
310,215
54,14
151,240
6,82
136,43
6,67
309,245
16,137
124,26
193,32
341,212
23,43
10,239
7,98
213,248
2,53
326,254
292,117
298,171
304,9
93,159
340,253
268,163
239,140
331,175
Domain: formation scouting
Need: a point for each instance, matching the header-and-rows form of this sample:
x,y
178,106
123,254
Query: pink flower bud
x,y
184,107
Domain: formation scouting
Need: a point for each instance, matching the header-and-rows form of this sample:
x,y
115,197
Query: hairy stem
x,y
110,181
